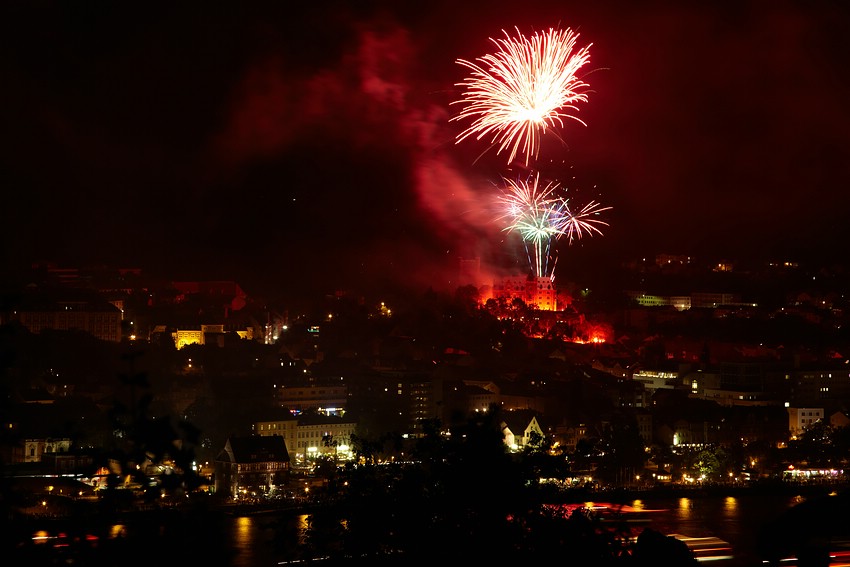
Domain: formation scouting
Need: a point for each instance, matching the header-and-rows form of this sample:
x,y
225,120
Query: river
x,y
734,518
264,540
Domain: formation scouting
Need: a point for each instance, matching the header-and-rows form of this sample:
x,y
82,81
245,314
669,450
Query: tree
x,y
325,467
537,461
708,463
364,449
144,444
815,446
622,450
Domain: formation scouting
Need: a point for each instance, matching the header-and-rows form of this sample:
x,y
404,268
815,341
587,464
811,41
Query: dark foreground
x,y
804,534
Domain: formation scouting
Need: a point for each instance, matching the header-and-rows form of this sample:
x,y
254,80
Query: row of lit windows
x,y
270,426
319,435
649,374
821,375
304,433
335,391
260,467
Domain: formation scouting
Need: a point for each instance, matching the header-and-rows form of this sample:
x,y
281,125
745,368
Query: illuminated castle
x,y
533,290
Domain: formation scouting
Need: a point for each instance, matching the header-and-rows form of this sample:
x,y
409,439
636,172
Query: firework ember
x,y
540,217
528,85
577,224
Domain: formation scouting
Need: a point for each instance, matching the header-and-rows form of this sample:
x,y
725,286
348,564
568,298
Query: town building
x,y
207,334
68,310
802,418
534,291
309,436
251,466
325,398
521,429
825,385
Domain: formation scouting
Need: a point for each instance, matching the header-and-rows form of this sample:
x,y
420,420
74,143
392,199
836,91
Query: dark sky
x,y
313,149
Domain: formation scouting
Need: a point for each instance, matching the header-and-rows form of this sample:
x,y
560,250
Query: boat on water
x,y
707,548
606,512
629,521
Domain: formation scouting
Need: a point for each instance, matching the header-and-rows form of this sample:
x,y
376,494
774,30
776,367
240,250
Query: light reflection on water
x,y
272,541
244,541
730,507
258,541
302,525
262,541
685,508
734,519
117,530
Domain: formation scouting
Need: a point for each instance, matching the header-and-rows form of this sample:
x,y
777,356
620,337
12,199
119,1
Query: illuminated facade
x,y
539,292
684,302
800,419
311,436
206,334
251,465
36,449
657,379
519,429
679,302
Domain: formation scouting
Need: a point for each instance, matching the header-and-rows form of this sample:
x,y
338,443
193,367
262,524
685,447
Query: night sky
x,y
311,147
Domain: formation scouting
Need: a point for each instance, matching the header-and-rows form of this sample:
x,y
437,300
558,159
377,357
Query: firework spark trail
x,y
528,85
526,196
540,217
533,212
576,225
539,230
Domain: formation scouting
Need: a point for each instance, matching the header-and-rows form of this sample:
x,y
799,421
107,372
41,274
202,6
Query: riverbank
x,y
89,507
263,533
779,488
